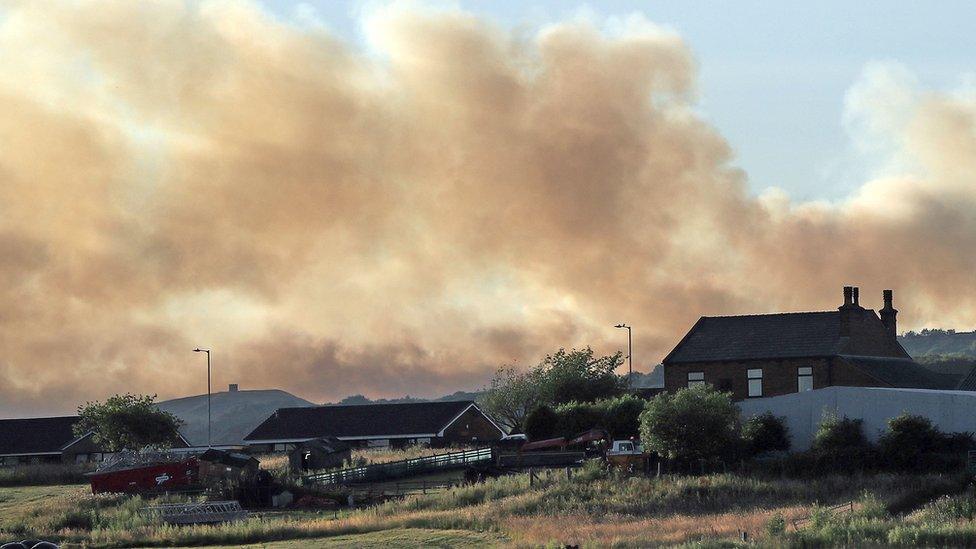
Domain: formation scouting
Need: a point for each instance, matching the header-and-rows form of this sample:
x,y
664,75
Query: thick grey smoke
x,y
333,221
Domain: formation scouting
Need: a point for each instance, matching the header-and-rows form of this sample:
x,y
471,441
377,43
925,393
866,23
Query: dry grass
x,y
590,510
386,455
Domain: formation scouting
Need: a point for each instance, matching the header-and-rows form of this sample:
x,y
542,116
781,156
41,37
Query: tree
x,y
511,396
562,377
839,435
128,422
577,376
541,423
692,423
766,433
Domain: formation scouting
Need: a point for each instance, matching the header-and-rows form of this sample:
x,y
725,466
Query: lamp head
x,y
620,326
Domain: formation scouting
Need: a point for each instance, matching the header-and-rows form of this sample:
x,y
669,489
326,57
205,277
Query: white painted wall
x,y
950,411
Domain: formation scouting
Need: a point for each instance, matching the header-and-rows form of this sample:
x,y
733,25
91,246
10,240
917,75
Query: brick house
x,y
376,425
764,355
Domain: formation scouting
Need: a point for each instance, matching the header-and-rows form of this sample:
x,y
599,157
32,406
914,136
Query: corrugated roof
x,y
902,372
370,420
36,435
767,336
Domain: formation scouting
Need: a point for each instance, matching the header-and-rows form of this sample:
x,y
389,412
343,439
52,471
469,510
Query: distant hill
x,y
354,400
235,414
939,342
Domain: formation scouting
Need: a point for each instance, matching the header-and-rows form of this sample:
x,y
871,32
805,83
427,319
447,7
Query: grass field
x,y
593,509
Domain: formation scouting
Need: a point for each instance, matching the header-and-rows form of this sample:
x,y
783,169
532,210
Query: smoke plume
x,y
405,217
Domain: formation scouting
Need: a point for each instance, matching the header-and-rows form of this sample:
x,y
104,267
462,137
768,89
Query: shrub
x,y
622,415
776,525
912,442
690,424
838,434
765,433
541,423
576,417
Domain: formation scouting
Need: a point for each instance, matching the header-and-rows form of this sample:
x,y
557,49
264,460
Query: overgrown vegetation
x,y
697,423
595,507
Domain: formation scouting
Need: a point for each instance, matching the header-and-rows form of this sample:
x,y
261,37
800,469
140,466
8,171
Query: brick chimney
x,y
845,311
889,314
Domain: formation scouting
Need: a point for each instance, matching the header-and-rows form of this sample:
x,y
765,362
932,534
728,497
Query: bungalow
x,y
376,425
47,440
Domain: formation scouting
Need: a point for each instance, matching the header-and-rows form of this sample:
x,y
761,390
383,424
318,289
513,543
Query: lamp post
x,y
630,355
209,430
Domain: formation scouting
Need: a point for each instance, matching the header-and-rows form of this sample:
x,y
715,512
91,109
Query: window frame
x,y
802,376
752,376
695,379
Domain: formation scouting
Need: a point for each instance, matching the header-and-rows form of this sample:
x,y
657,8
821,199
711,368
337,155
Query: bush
x,y
839,434
541,423
577,417
690,424
776,525
765,433
622,415
912,442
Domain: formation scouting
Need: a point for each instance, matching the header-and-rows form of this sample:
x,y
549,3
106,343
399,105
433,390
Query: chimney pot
x,y
889,315
855,293
848,292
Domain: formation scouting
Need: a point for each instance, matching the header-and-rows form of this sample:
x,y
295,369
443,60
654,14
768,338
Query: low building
x,y
319,453
376,425
755,356
48,440
45,440
950,411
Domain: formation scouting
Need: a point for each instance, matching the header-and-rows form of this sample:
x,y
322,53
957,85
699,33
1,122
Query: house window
x,y
755,382
280,447
696,378
378,443
804,379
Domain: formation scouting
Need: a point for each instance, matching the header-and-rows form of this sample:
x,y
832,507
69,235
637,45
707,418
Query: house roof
x,y
360,421
902,372
44,435
968,382
767,336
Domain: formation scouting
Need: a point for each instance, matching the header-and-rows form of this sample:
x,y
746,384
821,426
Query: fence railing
x,y
403,468
198,513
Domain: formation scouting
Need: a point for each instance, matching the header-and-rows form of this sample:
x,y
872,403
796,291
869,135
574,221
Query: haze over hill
x,y
939,342
234,413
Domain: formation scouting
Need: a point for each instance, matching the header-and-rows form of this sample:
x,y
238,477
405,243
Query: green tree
x,y
692,423
511,396
128,422
765,433
908,438
562,377
839,435
577,375
541,423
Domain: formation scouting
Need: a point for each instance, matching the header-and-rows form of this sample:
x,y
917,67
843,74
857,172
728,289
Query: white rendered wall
x,y
951,411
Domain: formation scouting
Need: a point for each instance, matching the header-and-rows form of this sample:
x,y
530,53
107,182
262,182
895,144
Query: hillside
x,y
939,342
235,414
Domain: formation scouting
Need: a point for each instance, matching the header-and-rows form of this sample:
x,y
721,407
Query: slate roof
x,y
359,421
45,435
767,336
902,372
968,382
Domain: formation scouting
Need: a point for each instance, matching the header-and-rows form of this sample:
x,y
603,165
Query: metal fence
x,y
407,467
198,513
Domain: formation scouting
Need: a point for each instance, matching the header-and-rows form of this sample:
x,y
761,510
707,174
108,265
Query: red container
x,y
159,477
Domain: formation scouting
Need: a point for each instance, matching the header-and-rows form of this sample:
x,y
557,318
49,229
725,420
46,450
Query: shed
x,y
319,453
218,464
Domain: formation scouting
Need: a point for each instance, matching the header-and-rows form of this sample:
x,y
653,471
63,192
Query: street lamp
x,y
630,355
209,429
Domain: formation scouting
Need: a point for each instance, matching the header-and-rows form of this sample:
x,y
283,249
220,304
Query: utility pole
x,y
209,416
630,355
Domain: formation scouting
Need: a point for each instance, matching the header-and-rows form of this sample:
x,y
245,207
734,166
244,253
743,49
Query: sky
x,y
400,198
772,75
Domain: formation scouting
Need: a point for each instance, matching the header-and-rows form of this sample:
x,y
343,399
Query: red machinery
x,y
153,477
